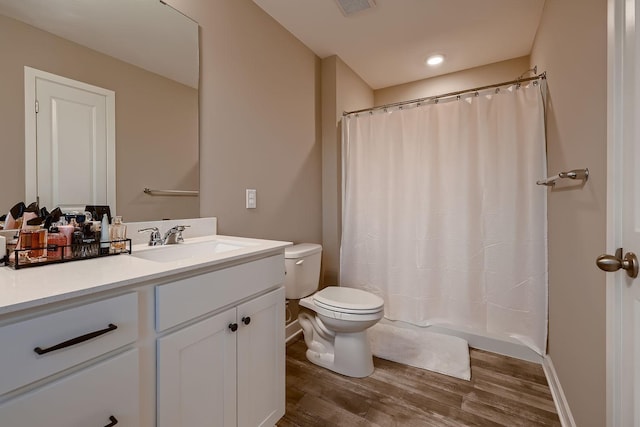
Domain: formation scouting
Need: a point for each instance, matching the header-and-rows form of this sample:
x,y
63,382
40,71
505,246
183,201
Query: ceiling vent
x,y
349,7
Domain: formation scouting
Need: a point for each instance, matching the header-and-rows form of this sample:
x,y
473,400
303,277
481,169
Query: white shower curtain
x,y
442,216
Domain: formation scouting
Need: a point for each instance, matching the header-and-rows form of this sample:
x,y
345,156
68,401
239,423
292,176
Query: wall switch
x,y
251,198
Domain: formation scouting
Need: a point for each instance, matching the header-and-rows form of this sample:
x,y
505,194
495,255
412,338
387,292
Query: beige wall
x,y
467,79
259,129
342,90
259,123
571,47
155,120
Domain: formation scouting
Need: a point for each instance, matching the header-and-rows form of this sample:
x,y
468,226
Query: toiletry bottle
x,y
56,242
88,239
117,235
77,240
32,243
104,235
67,230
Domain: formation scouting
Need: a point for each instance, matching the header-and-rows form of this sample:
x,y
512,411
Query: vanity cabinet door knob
x,y
233,327
246,320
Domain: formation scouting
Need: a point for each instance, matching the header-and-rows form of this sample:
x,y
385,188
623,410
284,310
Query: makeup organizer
x,y
39,255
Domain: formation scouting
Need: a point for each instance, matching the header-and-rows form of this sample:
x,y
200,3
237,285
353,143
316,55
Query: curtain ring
x,y
435,101
458,98
497,90
476,94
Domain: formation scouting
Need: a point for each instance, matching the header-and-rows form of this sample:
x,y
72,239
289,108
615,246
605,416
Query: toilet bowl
x,y
335,329
335,319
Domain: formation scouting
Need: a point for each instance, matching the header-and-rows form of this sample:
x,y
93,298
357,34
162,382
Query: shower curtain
x,y
442,216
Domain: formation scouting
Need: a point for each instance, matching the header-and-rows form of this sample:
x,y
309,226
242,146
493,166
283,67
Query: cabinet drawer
x,y
189,298
86,398
21,364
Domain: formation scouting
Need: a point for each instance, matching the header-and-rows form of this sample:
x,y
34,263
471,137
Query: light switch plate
x,y
251,198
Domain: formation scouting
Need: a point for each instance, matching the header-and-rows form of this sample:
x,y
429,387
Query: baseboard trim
x,y
292,331
560,400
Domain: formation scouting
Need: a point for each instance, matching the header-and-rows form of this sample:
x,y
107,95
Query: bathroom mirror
x,y
143,50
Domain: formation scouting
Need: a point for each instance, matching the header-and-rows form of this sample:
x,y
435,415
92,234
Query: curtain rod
x,y
445,95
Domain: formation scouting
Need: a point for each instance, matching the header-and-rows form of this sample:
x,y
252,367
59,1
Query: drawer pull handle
x,y
76,340
246,320
113,422
233,327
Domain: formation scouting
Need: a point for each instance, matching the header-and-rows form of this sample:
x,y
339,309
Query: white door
x,y
623,214
261,360
197,374
70,139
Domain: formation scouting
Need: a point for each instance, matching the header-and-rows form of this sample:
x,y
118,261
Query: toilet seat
x,y
348,300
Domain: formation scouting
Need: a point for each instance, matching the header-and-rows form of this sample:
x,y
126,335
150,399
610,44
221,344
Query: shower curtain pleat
x,y
442,217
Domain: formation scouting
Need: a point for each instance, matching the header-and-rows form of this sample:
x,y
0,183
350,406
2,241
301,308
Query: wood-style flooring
x,y
502,392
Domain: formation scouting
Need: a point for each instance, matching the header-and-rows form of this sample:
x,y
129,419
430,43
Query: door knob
x,y
616,262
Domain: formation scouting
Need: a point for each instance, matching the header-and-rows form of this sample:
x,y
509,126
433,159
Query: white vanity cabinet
x,y
128,341
103,395
226,366
72,367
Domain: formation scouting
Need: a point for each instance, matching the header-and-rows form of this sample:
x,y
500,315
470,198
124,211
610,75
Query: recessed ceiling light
x,y
435,60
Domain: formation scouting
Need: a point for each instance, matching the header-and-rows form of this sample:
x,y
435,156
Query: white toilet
x,y
335,319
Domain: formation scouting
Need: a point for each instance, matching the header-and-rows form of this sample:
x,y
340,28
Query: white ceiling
x,y
122,29
387,45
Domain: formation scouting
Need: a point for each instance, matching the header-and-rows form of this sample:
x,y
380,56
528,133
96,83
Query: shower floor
x,y
503,391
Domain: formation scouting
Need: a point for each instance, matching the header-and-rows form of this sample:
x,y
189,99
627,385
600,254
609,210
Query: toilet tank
x,y
302,269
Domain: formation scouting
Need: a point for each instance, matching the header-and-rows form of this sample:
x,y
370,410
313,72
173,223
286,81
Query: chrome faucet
x,y
154,236
174,235
171,237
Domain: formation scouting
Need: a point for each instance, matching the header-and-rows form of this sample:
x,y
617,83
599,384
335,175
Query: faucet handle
x,y
154,237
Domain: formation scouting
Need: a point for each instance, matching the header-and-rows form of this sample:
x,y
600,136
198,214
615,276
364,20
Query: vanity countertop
x,y
33,287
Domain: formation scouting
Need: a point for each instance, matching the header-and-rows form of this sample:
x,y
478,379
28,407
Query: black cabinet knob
x,y
233,327
246,320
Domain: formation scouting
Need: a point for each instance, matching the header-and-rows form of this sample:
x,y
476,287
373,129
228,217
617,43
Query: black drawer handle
x,y
233,327
113,422
76,340
246,320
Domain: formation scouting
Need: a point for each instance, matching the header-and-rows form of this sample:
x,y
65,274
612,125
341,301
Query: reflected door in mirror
x,y
74,166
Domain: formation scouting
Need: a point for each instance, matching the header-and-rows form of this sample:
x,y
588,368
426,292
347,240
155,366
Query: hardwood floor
x,y
502,392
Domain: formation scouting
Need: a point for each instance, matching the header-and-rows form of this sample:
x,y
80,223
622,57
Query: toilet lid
x,y
348,300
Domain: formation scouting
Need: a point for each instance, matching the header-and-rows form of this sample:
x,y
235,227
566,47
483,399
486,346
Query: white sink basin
x,y
181,251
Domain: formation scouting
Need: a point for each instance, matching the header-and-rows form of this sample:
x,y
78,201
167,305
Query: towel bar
x,y
582,174
171,192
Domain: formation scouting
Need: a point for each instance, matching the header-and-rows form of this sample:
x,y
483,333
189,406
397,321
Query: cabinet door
x,y
261,360
197,374
86,398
